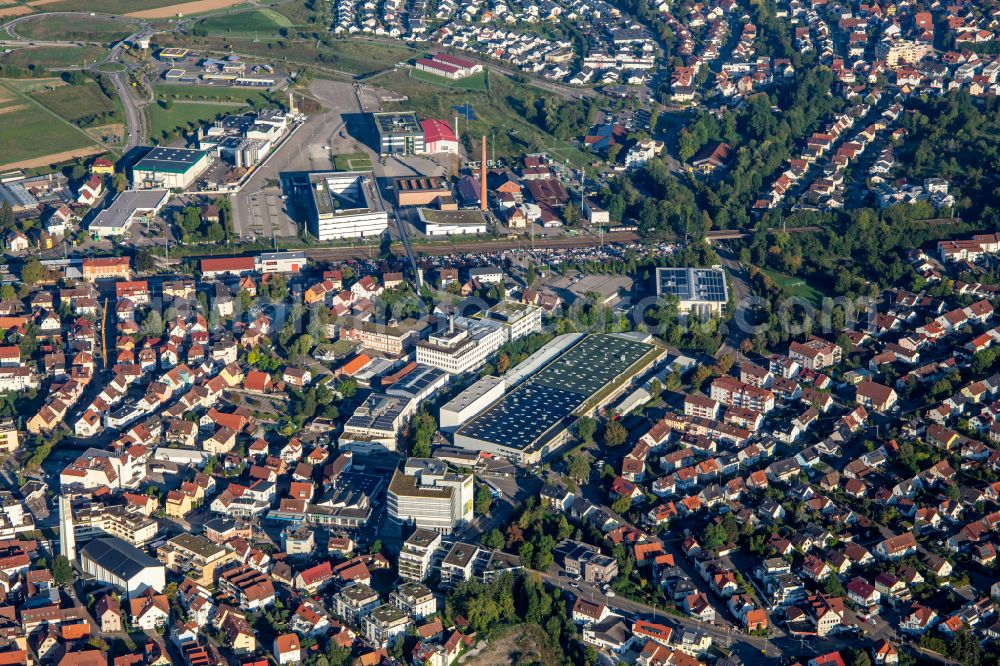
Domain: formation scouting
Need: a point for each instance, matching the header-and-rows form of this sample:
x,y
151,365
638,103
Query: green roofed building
x,y
170,168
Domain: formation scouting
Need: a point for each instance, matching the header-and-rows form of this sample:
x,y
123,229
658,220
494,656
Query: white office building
x,y
425,494
345,205
468,342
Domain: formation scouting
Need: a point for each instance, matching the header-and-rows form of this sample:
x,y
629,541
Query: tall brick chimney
x,y
482,184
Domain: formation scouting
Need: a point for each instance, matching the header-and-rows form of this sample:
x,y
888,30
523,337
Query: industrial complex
x,y
526,415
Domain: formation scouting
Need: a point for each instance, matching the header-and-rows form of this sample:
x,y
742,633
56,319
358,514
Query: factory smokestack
x,y
482,185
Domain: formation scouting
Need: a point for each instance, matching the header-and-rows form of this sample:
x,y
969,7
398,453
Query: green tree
x,y
579,467
347,387
655,389
615,433
493,539
32,271
7,218
62,570
621,505
483,500
144,261
423,428
585,428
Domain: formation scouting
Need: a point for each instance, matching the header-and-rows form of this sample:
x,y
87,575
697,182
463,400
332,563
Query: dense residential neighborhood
x,y
549,333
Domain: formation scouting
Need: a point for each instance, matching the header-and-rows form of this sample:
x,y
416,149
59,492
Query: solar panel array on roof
x,y
525,414
417,381
591,363
692,284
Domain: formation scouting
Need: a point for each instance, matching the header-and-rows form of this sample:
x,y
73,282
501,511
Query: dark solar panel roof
x,y
522,416
692,284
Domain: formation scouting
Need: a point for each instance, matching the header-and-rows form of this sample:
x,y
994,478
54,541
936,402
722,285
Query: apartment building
x,y
416,558
815,353
93,521
731,391
384,624
414,599
355,602
701,406
195,556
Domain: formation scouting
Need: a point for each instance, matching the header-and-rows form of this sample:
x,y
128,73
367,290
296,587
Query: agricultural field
x,y
100,6
34,85
53,57
186,115
186,8
262,22
476,82
54,27
32,137
11,11
76,102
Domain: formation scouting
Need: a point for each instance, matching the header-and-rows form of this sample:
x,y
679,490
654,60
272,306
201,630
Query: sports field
x,y
796,287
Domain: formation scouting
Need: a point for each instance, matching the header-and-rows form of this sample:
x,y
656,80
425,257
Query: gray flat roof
x,y
402,122
126,205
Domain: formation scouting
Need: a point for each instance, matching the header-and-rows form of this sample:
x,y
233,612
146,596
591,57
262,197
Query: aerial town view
x,y
499,332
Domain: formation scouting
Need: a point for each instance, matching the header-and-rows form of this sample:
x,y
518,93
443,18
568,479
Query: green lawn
x,y
56,27
185,115
28,132
48,57
206,93
76,102
352,162
263,22
474,82
796,287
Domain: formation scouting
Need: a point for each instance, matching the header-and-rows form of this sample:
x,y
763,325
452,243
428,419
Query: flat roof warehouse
x,y
169,160
528,417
